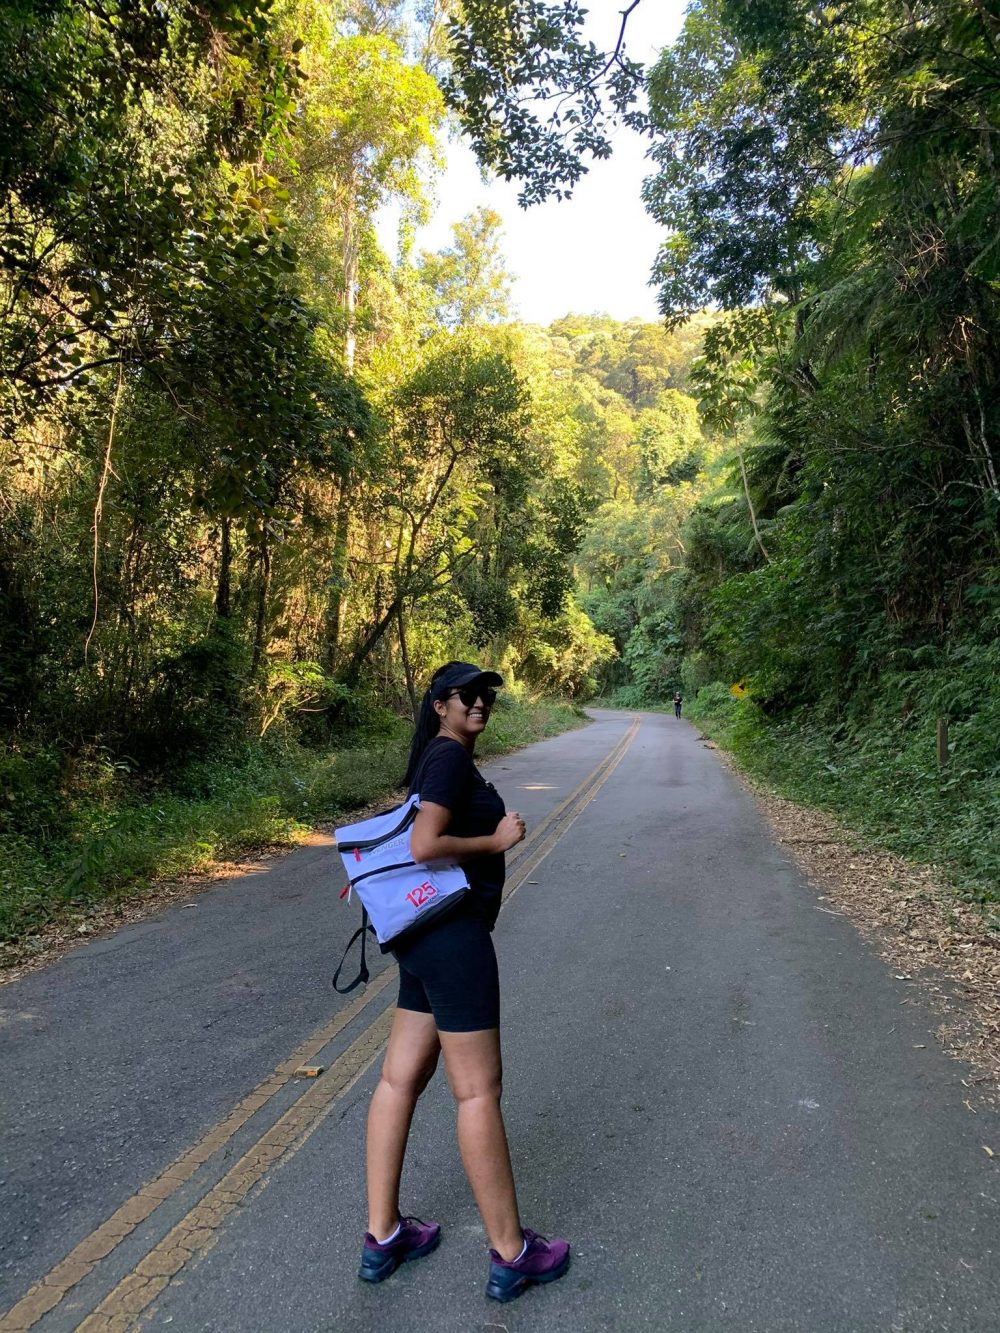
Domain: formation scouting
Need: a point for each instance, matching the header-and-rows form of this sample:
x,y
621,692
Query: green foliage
x,y
469,284
566,654
826,176
128,170
696,673
631,562
669,438
257,479
878,770
31,799
863,506
653,656
506,54
104,839
741,144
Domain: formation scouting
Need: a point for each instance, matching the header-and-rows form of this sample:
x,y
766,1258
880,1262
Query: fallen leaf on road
x,y
988,1151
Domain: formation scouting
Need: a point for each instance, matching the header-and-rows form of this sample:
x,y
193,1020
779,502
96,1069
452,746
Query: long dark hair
x,y
428,725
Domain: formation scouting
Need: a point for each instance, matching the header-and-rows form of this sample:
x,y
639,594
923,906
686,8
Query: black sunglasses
x,y
470,694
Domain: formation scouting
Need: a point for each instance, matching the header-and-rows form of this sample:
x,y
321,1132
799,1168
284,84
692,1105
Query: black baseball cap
x,y
462,673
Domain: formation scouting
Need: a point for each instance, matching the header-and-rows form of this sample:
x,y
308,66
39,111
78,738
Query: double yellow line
x,y
198,1229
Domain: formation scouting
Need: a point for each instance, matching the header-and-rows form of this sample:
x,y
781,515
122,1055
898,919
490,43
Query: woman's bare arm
x,y
430,840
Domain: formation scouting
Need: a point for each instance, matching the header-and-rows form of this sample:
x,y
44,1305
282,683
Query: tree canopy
x,y
257,475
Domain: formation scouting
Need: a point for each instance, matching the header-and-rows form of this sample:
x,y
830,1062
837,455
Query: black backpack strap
x,y
362,977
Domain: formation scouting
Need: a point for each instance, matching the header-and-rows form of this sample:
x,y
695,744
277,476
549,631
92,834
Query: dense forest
x,y
257,475
827,179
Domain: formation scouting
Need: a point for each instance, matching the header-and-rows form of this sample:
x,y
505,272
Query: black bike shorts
x,y
450,970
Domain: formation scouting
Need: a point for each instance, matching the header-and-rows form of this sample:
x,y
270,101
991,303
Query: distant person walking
x,y
678,701
449,1001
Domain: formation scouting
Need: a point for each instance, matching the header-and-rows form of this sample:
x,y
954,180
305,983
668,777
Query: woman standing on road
x,y
449,1001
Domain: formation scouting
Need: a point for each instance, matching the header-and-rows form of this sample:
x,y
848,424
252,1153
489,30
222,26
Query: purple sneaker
x,y
380,1259
543,1261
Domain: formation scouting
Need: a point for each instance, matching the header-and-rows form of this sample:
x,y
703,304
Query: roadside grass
x,y
882,779
102,837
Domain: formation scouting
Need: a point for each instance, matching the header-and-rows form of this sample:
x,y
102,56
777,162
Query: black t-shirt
x,y
447,776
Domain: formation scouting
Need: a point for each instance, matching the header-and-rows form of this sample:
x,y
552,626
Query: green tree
x,y
368,127
469,283
507,56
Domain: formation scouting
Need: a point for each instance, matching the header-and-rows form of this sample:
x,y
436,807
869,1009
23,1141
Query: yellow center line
x,y
135,1292
197,1231
47,1293
604,771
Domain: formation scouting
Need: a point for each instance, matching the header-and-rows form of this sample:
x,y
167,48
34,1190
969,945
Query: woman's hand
x,y
509,832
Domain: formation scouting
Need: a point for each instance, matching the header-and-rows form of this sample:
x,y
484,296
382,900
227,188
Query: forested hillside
x,y
258,475
826,177
854,588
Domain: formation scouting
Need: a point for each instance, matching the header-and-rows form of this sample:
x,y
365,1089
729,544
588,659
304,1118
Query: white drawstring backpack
x,y
397,893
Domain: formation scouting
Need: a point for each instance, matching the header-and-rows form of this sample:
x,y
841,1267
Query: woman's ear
x,y
440,707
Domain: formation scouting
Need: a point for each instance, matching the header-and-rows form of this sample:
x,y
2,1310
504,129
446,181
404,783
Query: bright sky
x,y
593,252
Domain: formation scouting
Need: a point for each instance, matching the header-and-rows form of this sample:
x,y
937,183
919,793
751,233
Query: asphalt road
x,y
713,1089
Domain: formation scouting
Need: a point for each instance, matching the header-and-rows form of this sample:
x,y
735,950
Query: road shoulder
x,y
911,916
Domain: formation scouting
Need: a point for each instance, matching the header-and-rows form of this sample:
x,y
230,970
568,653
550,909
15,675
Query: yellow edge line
x,y
46,1294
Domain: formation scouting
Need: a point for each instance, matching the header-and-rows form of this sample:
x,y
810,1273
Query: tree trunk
x,y
350,300
263,594
338,574
223,591
352,255
753,513
342,534
99,506
411,689
373,637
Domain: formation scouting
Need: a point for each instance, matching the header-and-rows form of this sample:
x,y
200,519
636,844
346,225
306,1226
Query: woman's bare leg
x,y
410,1060
475,1073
